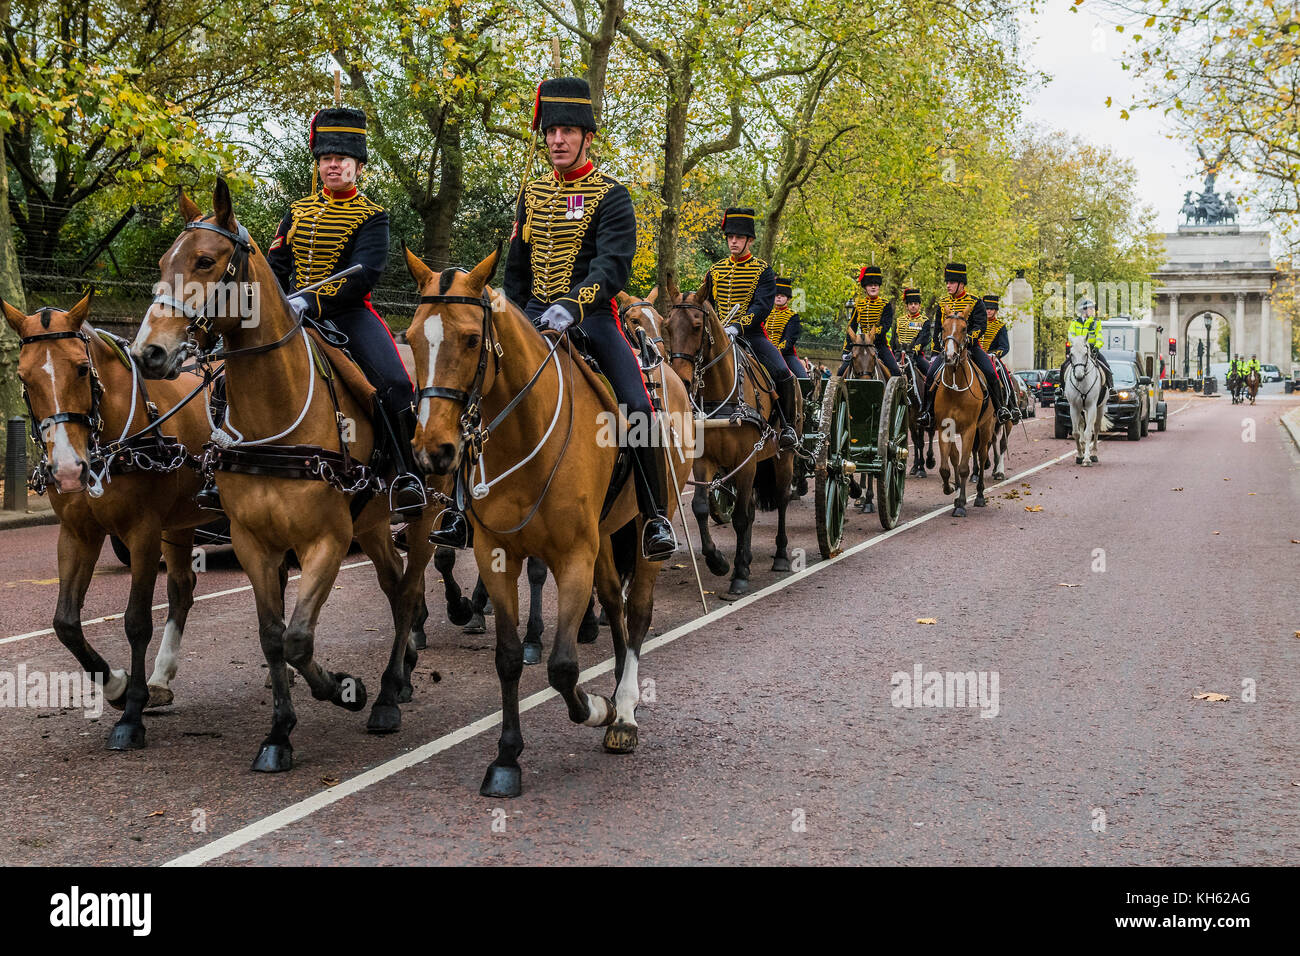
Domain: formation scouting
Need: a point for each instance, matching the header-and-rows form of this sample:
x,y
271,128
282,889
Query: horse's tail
x,y
765,491
624,545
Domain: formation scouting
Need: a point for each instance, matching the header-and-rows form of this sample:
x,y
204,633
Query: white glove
x,y
298,305
733,331
556,317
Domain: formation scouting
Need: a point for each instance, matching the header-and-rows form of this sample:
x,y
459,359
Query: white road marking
x,y
305,808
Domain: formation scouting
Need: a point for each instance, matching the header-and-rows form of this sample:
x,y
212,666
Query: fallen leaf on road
x,y
1297,633
158,813
1295,540
926,620
1175,489
1210,696
1216,532
334,781
1252,492
1033,507
1062,584
1227,479
678,566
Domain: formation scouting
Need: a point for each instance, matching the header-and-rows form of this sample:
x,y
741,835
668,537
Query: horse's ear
x,y
483,271
79,312
421,273
189,211
623,300
15,318
653,295
705,291
222,209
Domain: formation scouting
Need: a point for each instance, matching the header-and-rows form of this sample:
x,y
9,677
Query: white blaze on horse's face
x,y
65,462
433,336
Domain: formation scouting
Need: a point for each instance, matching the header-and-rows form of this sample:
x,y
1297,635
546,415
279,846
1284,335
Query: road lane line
x,y
305,808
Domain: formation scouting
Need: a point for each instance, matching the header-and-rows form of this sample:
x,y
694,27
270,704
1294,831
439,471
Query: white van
x,y
1143,338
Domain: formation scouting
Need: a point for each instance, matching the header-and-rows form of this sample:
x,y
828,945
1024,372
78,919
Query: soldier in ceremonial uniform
x,y
325,233
996,342
910,333
783,328
873,316
743,289
958,302
570,255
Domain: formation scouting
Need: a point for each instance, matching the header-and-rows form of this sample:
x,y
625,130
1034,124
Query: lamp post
x,y
1205,382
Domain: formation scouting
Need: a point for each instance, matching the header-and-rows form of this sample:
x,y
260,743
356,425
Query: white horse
x,y
1085,390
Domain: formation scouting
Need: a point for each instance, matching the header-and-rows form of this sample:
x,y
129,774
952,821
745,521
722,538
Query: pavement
x,y
39,511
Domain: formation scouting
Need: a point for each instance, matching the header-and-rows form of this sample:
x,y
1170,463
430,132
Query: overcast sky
x,y
1081,51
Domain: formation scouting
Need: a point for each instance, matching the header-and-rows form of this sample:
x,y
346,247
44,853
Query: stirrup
x,y
208,498
406,495
788,438
455,531
662,550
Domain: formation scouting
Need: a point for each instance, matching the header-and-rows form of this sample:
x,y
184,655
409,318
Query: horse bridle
x,y
471,417
92,420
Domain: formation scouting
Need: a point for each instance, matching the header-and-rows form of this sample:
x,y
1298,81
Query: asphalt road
x,y
776,733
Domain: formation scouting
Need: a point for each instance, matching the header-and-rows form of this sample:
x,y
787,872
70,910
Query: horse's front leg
x,y
403,589
78,551
145,542
503,777
459,608
742,522
573,580
713,558
784,468
178,551
536,568
264,569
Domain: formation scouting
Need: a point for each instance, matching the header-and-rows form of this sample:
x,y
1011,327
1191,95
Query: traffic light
x,y
1173,346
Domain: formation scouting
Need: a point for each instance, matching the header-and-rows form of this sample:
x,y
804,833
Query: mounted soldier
x,y
323,234
997,344
1089,326
743,290
910,333
961,304
570,255
783,328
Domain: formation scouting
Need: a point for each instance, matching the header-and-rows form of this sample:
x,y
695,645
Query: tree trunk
x,y
11,290
611,11
679,99
440,216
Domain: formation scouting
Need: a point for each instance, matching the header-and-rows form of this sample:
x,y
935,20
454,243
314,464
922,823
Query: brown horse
x,y
1252,385
964,415
537,488
724,387
86,401
863,360
277,392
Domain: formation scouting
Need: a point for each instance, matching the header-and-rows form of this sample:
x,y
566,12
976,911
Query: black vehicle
x,y
1048,386
1128,407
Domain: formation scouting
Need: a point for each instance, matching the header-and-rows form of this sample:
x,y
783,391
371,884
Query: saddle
x,y
763,384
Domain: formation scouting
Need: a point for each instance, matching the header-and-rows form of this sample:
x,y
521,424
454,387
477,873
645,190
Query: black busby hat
x,y
954,272
990,302
911,295
563,102
783,286
338,129
870,275
738,221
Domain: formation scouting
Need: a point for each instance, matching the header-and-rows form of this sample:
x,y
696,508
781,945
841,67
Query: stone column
x,y
1239,332
1173,318
1266,330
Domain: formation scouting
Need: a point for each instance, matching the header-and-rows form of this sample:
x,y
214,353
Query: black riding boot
x,y
208,498
926,421
406,494
658,540
788,390
454,529
998,399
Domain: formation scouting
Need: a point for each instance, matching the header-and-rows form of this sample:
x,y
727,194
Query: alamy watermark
x,y
630,429
922,688
74,690
1110,298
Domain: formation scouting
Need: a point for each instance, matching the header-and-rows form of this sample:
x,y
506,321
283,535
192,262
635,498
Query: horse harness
x,y
146,450
234,453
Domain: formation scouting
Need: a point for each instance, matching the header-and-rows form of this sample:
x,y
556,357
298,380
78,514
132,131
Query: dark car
x,y
1047,386
1128,407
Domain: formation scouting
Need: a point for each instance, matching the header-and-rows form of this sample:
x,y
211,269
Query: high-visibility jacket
x,y
1090,328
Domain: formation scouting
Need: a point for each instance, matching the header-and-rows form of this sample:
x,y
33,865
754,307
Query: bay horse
x,y
538,488
1252,385
965,416
864,362
1016,396
277,390
89,408
1084,382
915,368
724,385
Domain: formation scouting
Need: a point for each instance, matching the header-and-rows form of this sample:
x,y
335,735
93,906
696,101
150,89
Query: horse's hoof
x,y
588,630
459,612
159,696
487,607
1078,461
959,512
999,475
781,564
620,738
1092,458
501,782
126,737
532,652
980,503
351,693
868,507
274,758
476,625
419,640
739,588
406,693
718,565
384,719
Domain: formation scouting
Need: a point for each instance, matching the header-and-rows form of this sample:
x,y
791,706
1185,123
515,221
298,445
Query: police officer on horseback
x,y
570,255
1088,325
958,302
743,289
784,326
333,229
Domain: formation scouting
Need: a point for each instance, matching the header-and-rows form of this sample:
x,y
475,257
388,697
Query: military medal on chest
x,y
575,208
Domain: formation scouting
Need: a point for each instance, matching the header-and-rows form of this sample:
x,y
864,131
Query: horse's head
x,y
641,314
201,293
62,392
954,340
1079,356
687,330
862,355
453,364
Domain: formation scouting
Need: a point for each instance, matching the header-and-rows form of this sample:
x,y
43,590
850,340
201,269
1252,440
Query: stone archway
x,y
1192,333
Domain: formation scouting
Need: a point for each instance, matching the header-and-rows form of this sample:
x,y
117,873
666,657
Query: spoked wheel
x,y
722,502
892,450
832,492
